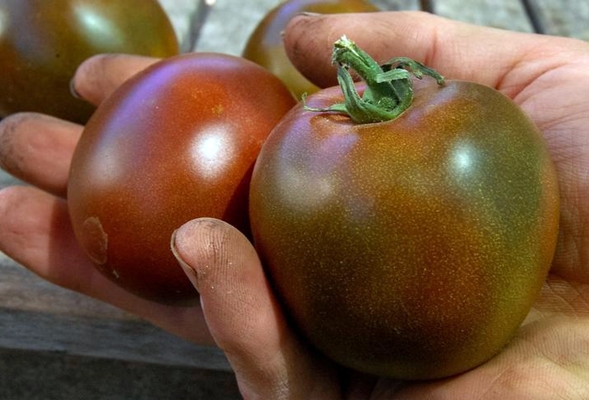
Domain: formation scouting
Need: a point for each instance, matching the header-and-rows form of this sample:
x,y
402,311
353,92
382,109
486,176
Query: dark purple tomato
x,y
42,43
411,248
176,142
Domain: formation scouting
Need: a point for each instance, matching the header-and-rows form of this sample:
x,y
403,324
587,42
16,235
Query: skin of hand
x,y
549,357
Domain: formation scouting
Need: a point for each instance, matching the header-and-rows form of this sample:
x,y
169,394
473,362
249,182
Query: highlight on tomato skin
x,y
175,142
265,46
411,247
43,42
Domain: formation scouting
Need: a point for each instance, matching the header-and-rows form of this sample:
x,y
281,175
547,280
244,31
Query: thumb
x,y
244,317
455,49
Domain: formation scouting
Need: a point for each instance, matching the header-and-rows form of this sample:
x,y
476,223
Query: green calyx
x,y
389,87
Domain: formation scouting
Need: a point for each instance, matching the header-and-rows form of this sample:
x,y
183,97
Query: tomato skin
x,y
412,248
265,46
43,42
176,142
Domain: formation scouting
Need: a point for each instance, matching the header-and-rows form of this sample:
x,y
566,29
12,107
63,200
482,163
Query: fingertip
x,y
84,84
309,39
310,54
98,76
203,245
190,243
186,267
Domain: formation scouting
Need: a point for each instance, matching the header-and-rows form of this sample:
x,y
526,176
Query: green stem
x,y
389,87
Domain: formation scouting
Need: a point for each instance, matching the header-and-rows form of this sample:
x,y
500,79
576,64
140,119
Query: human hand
x,y
548,78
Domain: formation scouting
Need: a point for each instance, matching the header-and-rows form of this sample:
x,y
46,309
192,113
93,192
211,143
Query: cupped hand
x,y
549,358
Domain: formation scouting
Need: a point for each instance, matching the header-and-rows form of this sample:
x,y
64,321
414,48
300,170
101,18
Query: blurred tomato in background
x,y
43,42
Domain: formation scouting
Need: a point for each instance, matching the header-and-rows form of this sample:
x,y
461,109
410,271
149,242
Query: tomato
x,y
43,42
175,142
265,46
412,247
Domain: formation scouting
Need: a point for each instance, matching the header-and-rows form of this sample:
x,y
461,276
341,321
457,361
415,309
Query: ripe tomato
x,y
43,42
265,46
414,247
176,142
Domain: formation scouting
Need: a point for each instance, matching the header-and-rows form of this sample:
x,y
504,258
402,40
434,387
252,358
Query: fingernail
x,y
188,270
73,90
309,14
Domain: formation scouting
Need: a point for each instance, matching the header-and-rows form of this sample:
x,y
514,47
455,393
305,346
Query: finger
x,y
244,318
35,231
100,75
457,50
38,149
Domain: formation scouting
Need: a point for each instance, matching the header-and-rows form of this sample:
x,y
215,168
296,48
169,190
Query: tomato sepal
x,y
389,87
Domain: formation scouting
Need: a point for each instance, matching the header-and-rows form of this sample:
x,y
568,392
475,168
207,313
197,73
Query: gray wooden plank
x,y
132,341
21,290
39,375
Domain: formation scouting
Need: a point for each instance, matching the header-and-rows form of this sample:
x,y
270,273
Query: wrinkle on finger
x,y
37,149
100,75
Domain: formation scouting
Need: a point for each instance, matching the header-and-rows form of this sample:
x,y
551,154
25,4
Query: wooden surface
x,y
56,344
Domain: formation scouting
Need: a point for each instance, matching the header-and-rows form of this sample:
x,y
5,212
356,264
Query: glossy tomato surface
x,y
412,248
176,142
43,42
265,46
